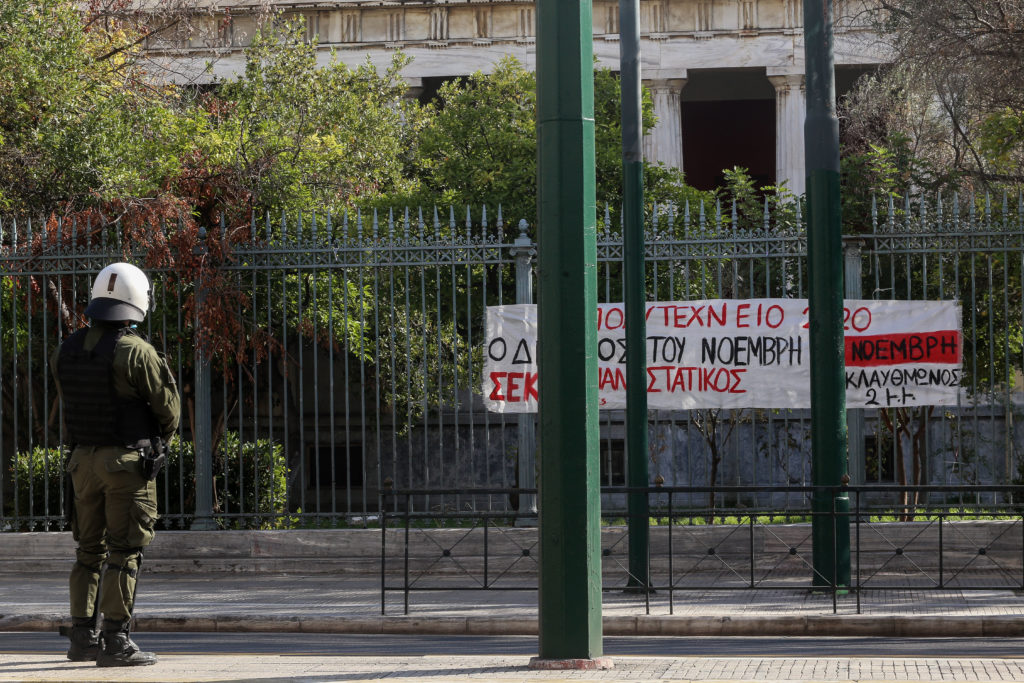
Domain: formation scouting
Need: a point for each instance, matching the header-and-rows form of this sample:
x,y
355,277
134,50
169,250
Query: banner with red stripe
x,y
742,353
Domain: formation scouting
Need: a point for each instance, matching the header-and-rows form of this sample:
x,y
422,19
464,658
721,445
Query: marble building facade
x,y
727,76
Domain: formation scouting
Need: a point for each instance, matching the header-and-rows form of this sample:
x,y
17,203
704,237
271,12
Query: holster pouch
x,y
154,457
69,488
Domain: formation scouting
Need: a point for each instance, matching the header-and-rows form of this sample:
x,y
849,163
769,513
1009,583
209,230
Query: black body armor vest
x,y
93,413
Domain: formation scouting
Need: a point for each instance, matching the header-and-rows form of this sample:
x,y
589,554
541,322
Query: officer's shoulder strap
x,y
104,345
133,332
75,342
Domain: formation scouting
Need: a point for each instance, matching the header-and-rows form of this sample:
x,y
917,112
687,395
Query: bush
x,y
249,478
38,478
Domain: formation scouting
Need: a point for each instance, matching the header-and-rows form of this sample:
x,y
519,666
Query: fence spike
x,y
874,212
391,225
376,226
405,226
483,219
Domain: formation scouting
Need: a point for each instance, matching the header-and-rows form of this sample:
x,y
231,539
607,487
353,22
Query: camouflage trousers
x,y
112,522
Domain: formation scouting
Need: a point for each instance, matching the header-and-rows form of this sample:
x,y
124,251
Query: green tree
x,y
79,122
479,145
955,89
289,134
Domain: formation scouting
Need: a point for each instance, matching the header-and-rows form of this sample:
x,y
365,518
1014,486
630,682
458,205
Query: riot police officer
x,y
120,400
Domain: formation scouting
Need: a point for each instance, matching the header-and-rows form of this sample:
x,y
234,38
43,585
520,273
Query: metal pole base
x,y
595,664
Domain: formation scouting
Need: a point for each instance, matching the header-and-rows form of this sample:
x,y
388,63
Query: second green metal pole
x,y
635,292
830,526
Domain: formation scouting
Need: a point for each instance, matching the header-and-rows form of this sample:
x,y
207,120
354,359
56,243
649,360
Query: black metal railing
x,y
916,538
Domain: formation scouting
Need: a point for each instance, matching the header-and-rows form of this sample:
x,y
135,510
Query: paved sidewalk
x,y
351,604
498,669
327,603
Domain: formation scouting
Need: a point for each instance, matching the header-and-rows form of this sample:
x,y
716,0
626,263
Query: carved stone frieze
x,y
352,23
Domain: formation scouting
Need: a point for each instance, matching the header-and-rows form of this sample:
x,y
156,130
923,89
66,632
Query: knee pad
x,y
89,560
125,561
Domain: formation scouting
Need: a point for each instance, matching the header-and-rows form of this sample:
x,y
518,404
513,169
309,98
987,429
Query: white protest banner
x,y
751,353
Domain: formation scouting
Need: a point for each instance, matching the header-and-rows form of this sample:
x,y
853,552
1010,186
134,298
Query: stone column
x,y
415,87
665,141
790,112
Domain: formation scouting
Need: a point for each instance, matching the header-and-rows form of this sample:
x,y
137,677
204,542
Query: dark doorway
x,y
721,134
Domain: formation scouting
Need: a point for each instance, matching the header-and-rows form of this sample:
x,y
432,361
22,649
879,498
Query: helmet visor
x,y
113,310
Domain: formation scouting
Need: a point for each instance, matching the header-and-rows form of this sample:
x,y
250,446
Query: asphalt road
x,y
295,644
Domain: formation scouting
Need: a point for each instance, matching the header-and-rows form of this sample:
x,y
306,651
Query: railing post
x,y
523,251
202,436
852,247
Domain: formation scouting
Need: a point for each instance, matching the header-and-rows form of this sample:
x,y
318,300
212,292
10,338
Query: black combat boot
x,y
118,649
85,644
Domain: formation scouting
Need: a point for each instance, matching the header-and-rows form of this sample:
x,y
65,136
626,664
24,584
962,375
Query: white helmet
x,y
120,292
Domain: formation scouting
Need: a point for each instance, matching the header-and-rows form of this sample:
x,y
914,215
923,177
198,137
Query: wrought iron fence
x,y
895,544
346,355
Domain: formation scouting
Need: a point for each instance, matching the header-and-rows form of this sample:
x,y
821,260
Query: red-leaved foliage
x,y
163,237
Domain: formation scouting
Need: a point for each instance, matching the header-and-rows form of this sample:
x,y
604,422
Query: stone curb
x,y
829,625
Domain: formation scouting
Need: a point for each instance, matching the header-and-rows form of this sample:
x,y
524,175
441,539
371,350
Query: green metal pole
x,y
635,291
831,523
569,511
